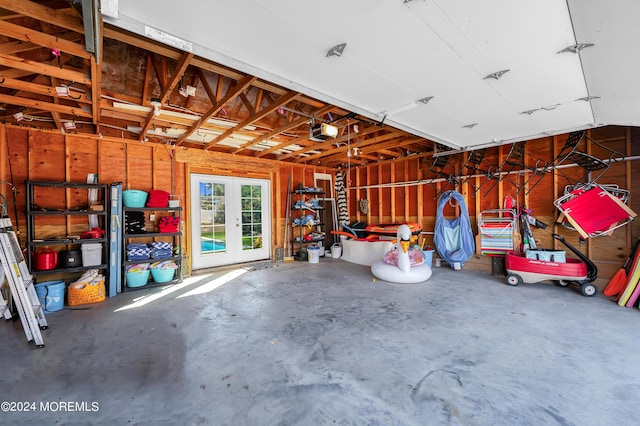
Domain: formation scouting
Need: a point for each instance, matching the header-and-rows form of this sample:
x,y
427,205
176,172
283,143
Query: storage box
x,y
558,256
91,254
174,201
134,198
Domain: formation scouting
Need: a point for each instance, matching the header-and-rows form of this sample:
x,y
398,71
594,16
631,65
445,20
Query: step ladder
x,y
21,287
4,304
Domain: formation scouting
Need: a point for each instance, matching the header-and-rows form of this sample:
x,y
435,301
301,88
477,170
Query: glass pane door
x,y
228,216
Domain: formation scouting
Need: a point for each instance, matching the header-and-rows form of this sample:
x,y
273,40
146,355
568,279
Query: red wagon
x,y
580,271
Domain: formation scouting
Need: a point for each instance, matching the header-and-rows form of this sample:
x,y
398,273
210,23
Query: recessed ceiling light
x,y
337,50
575,48
496,75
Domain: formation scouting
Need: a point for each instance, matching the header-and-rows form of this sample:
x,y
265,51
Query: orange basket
x,y
84,292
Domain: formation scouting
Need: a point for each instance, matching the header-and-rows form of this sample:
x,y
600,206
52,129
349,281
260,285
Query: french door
x,y
231,220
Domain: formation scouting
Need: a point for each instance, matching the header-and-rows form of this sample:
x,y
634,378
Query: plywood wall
x,y
404,190
29,154
397,190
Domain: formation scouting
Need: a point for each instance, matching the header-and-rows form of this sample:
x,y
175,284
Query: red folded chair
x,y
594,212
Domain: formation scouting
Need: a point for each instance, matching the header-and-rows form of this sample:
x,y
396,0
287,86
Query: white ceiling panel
x,y
611,65
399,51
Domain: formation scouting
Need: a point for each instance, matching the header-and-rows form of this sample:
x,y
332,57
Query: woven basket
x,y
82,293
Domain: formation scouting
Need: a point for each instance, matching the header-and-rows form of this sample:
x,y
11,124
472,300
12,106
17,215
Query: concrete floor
x,y
303,344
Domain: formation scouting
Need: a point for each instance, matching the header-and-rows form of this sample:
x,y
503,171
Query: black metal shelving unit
x,y
35,212
299,232
129,237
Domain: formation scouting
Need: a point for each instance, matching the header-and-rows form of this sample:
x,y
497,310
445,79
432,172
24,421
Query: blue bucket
x,y
51,295
428,257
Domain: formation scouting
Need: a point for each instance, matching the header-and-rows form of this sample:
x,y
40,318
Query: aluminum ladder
x,y
21,287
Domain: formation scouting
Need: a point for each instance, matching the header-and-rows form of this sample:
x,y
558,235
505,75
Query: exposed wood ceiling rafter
x,y
255,117
233,92
170,85
238,113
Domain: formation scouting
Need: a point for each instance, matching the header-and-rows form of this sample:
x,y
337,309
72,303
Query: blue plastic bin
x,y
163,275
137,278
134,198
51,295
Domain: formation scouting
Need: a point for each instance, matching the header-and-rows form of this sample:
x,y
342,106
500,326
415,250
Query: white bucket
x,y
314,254
336,251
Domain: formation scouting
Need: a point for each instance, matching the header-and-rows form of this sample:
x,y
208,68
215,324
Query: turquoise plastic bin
x,y
134,198
51,295
137,278
163,275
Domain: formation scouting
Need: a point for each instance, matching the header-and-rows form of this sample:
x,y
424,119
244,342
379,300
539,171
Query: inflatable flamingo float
x,y
402,265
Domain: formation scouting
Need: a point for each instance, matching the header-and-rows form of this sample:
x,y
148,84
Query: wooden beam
x,y
60,18
45,106
147,77
232,93
252,119
321,111
96,91
9,16
163,74
96,77
188,99
368,130
390,153
57,17
158,72
19,46
369,153
368,194
247,104
272,133
41,89
180,69
152,46
207,87
171,84
406,191
392,193
380,202
56,114
3,164
45,40
319,145
40,68
357,196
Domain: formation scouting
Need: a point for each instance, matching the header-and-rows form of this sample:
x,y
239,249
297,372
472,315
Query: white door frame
x,y
234,251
